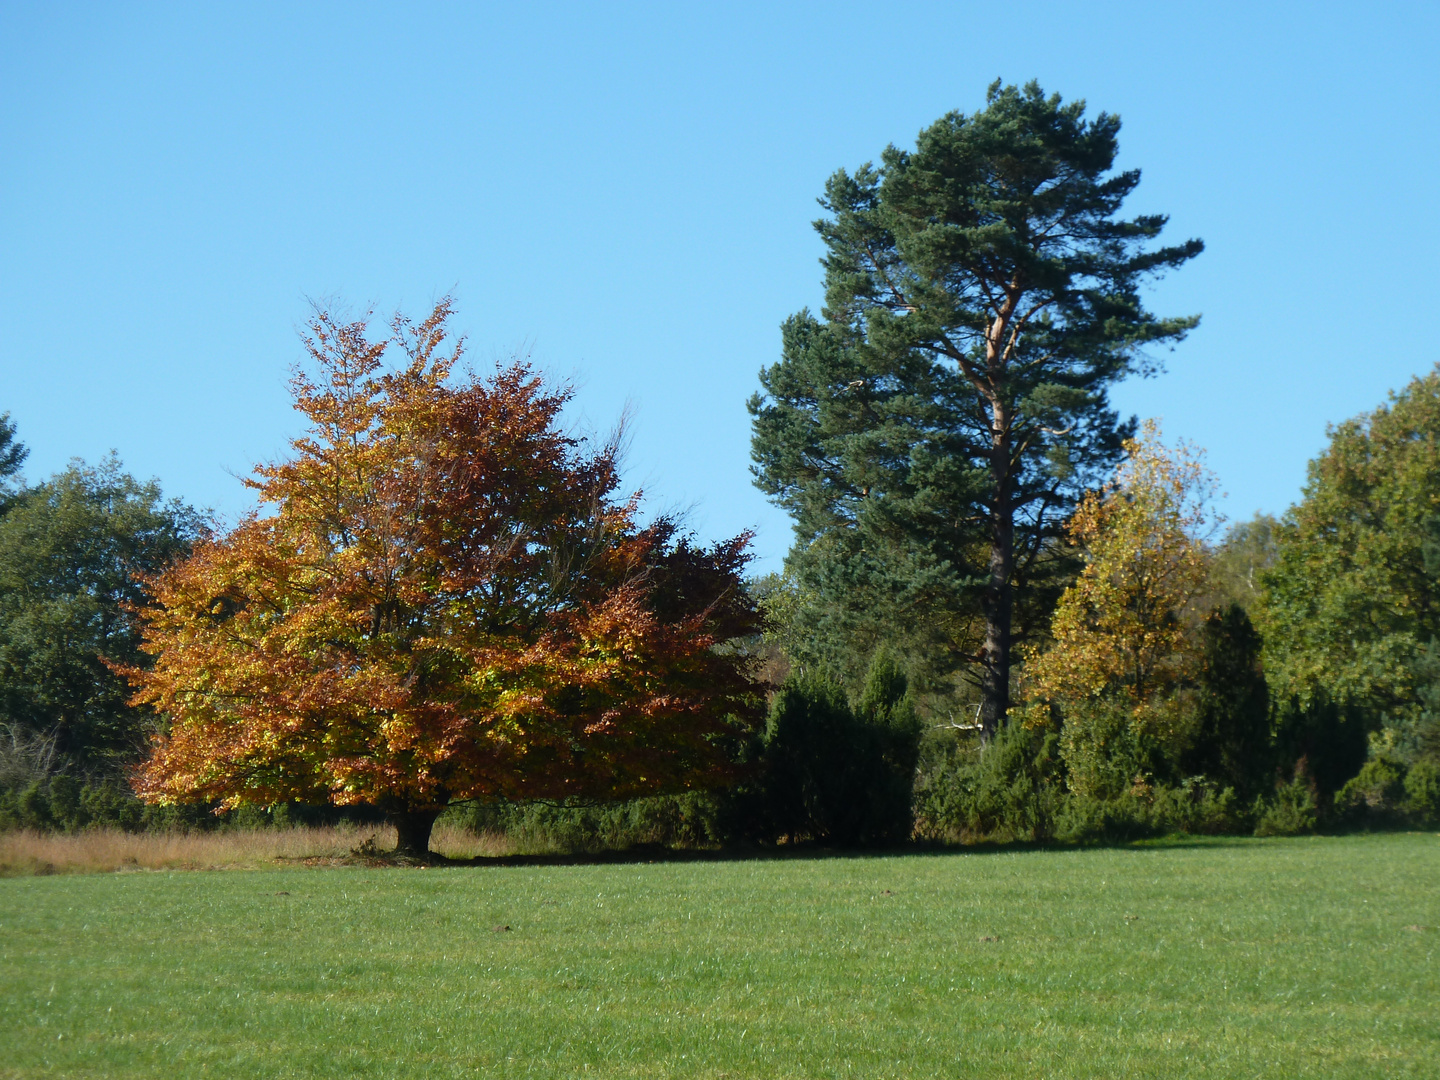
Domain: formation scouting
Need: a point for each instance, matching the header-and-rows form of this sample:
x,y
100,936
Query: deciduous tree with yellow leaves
x,y
1126,642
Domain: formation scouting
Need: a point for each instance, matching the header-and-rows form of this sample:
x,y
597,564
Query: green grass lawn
x,y
1306,957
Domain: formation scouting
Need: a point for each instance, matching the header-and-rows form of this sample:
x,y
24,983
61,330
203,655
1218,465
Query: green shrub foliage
x,y
1104,752
1008,790
1291,811
832,773
1323,739
1232,743
1421,738
1375,795
1422,792
65,803
1014,789
692,820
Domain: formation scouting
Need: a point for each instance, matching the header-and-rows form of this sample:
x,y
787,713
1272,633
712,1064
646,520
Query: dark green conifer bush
x,y
1008,790
832,773
1422,792
1292,810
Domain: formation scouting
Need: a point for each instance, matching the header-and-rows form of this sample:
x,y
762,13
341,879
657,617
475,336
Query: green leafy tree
x,y
932,432
1352,602
1248,549
12,456
69,552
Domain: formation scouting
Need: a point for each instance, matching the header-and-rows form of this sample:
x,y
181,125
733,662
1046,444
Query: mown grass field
x,y
1305,957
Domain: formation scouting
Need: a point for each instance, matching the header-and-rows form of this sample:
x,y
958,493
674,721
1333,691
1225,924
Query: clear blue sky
x,y
627,190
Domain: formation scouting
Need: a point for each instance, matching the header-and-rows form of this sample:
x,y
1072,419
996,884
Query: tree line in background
x,y
1007,615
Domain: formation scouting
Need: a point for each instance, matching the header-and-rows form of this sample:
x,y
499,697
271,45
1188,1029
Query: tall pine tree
x,y
931,433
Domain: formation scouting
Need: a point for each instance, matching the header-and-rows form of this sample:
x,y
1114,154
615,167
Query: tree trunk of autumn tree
x,y
412,832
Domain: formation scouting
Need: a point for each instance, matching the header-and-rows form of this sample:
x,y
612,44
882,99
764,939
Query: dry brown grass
x,y
110,850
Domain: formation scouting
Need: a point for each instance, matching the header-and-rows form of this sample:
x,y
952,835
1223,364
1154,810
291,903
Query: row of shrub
x,y
838,772
843,773
1014,790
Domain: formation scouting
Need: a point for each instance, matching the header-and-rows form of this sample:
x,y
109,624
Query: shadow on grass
x,y
656,853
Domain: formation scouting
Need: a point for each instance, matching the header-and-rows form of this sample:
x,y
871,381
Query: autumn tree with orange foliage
x,y
1126,638
447,601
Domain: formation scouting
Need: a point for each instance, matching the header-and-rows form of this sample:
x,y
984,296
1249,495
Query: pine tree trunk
x,y
412,832
995,664
999,597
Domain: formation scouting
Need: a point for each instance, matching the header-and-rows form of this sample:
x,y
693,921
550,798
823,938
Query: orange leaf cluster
x,y
445,601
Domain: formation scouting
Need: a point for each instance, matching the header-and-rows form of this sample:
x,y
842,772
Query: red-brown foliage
x,y
446,602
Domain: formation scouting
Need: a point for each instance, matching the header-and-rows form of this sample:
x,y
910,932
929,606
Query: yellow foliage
x,y
1124,632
